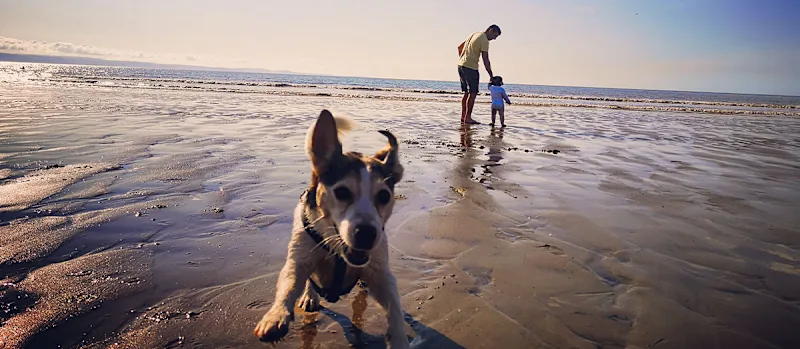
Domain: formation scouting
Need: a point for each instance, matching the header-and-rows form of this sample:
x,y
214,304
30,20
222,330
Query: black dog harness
x,y
332,293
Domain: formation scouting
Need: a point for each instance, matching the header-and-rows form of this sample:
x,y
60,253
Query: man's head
x,y
492,32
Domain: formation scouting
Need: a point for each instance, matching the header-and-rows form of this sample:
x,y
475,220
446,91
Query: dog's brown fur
x,y
369,184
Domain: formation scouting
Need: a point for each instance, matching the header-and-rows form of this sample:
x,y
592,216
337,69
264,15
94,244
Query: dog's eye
x,y
383,197
343,194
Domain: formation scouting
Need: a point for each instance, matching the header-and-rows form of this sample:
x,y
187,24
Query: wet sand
x,y
159,219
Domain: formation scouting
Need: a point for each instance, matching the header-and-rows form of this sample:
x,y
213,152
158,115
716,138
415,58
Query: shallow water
x,y
171,215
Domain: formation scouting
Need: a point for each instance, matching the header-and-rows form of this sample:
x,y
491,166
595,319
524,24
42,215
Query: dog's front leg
x,y
275,323
383,288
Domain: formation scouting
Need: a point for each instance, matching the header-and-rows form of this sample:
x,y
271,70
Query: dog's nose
x,y
365,237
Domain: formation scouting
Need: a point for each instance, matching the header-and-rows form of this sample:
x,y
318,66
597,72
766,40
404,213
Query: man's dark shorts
x,y
469,79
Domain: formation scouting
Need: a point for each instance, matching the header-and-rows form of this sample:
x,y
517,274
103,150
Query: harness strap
x,y
335,291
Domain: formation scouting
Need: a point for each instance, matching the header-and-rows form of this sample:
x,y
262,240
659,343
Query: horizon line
x,y
288,72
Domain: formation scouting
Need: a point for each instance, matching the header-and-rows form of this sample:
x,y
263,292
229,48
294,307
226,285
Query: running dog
x,y
338,237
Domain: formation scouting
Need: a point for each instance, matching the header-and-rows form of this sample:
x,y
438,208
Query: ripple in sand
x,y
22,193
72,288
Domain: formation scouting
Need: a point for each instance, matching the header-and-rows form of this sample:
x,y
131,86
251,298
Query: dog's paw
x,y
273,326
309,302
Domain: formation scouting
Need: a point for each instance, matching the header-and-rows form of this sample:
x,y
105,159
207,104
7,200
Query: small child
x,y
498,95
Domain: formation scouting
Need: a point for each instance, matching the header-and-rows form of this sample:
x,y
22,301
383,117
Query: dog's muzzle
x,y
357,257
364,236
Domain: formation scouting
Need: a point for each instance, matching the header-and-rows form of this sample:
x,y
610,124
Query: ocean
x,y
395,89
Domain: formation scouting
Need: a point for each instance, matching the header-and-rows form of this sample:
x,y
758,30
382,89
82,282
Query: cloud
x,y
70,49
65,48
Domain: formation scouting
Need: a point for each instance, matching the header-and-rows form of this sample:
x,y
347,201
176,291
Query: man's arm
x,y
461,48
487,64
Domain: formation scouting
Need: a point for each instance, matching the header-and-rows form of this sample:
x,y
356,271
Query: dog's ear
x,y
389,156
322,145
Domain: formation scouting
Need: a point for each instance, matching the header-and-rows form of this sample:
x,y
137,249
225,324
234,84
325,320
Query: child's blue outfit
x,y
498,95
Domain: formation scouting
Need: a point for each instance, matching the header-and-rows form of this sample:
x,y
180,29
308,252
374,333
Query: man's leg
x,y
462,77
464,106
470,105
473,80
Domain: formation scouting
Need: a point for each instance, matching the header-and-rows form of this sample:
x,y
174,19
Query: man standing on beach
x,y
469,52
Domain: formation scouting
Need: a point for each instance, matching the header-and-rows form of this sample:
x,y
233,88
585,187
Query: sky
x,y
696,45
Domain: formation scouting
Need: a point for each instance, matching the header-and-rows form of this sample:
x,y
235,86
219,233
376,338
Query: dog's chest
x,y
334,282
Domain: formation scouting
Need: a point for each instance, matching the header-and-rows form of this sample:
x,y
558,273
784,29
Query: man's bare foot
x,y
503,125
472,122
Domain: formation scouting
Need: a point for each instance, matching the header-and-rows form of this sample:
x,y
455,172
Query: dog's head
x,y
352,191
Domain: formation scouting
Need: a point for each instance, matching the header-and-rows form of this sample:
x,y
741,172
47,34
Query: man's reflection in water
x,y
466,135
